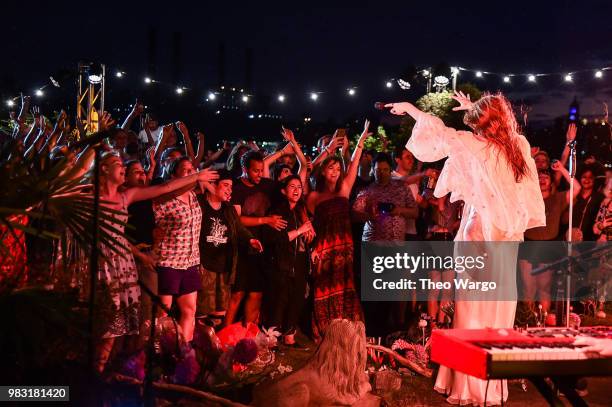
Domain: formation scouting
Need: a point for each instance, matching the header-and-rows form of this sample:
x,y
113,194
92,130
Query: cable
x,y
486,391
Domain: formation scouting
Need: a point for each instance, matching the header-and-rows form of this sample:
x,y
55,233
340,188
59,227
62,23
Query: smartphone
x,y
340,133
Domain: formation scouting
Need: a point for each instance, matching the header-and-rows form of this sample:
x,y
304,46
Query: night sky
x,y
302,47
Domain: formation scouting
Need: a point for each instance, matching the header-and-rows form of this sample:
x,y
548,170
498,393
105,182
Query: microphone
x,y
380,106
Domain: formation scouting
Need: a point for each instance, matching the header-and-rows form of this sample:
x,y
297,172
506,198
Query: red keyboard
x,y
506,353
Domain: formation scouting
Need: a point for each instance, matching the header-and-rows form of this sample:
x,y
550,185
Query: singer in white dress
x,y
492,171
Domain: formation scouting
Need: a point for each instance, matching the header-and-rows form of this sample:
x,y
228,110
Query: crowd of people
x,y
272,237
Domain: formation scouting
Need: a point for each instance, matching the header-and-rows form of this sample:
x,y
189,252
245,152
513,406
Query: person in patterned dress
x,y
117,273
332,255
176,247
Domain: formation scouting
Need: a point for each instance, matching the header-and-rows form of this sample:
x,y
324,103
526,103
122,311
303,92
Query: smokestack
x,y
221,64
176,57
249,69
152,52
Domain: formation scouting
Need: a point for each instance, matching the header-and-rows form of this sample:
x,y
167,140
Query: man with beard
x,y
251,197
221,235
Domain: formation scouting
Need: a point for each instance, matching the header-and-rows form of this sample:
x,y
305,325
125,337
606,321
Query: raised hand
x,y
534,151
464,101
556,165
365,133
200,137
288,135
106,121
35,112
138,109
182,128
207,175
571,132
61,120
334,143
150,154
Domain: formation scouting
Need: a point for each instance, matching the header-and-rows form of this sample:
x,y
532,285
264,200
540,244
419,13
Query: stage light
x,y
245,98
251,116
405,85
179,90
506,79
598,74
568,77
10,103
95,73
148,80
441,82
351,92
39,92
314,96
119,74
531,78
389,84
281,98
478,74
212,96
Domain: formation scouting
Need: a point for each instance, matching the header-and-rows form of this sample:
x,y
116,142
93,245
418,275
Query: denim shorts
x,y
171,281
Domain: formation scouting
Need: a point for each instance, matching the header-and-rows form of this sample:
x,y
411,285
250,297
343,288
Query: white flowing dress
x,y
497,208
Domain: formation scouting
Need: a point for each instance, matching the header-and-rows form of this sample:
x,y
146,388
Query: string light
x,y
427,73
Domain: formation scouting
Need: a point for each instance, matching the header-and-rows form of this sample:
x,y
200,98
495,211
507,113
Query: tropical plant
x,y
38,196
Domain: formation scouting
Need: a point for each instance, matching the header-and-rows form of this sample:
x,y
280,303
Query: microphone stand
x,y
93,261
148,394
570,266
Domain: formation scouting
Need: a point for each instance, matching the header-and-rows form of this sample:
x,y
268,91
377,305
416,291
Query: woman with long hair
x,y
176,246
491,170
117,271
333,282
287,260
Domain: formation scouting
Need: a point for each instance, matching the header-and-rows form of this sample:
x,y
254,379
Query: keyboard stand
x,y
565,384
